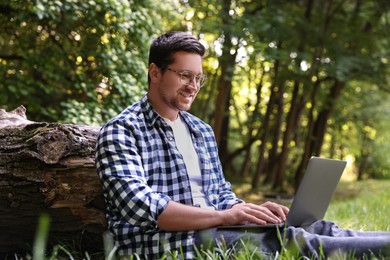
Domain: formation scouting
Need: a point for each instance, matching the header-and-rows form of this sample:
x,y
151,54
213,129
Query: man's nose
x,y
194,83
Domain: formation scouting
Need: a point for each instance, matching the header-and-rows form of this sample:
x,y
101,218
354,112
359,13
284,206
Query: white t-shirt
x,y
186,148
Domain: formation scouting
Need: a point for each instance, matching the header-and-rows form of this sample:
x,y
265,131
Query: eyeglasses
x,y
187,77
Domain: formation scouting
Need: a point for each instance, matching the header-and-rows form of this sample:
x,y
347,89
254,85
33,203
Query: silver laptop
x,y
313,195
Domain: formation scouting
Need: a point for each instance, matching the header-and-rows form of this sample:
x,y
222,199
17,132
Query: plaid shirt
x,y
142,170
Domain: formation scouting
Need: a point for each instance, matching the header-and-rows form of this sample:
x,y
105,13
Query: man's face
x,y
173,94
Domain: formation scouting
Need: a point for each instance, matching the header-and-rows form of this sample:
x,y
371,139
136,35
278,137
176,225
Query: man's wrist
x,y
238,203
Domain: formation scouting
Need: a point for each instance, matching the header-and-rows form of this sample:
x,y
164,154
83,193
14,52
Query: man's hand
x,y
269,212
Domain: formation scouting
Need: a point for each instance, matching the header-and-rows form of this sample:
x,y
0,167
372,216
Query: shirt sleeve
x,y
125,188
227,198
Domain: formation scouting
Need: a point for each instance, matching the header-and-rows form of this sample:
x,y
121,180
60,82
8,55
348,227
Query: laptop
x,y
313,195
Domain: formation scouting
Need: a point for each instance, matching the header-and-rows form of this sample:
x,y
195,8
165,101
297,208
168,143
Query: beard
x,y
182,101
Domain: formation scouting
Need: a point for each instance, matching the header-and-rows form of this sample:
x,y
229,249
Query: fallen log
x,y
48,168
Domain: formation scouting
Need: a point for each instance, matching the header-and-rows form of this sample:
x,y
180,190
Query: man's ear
x,y
154,72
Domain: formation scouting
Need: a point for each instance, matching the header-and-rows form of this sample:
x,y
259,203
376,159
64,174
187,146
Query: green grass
x,y
357,205
361,205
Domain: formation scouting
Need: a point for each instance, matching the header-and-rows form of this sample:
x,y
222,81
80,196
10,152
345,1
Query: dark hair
x,y
165,46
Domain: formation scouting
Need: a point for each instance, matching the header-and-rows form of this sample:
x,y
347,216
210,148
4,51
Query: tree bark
x,y
226,61
292,120
48,168
264,138
309,136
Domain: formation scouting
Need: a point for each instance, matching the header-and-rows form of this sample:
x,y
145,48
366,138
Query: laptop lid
x,y
315,191
313,195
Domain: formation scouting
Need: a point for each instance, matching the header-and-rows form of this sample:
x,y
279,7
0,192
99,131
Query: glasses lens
x,y
186,77
201,80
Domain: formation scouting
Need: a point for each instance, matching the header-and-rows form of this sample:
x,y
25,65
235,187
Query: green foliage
x,y
83,62
75,62
359,127
286,44
41,236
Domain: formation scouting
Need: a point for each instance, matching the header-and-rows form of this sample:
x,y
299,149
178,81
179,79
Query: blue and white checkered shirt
x,y
142,170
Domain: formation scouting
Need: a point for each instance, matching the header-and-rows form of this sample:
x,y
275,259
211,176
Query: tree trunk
x,y
292,120
264,138
277,130
256,113
323,116
309,136
226,61
48,168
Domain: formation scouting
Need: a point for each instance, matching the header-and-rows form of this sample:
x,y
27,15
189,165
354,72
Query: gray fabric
x,y
318,240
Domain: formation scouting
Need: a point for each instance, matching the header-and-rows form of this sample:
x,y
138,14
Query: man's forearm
x,y
180,217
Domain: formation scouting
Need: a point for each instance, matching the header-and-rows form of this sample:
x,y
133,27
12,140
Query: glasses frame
x,y
199,79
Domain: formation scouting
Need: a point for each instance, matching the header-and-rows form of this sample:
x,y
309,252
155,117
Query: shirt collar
x,y
151,116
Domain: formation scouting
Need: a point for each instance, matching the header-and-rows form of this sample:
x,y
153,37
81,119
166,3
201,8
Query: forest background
x,y
286,79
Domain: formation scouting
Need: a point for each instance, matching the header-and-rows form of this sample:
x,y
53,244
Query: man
x,y
162,178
